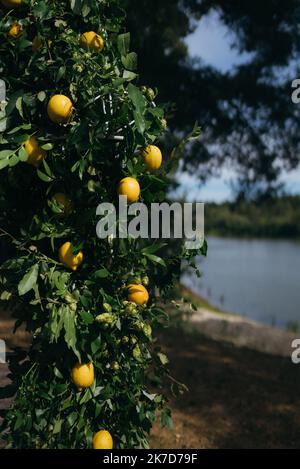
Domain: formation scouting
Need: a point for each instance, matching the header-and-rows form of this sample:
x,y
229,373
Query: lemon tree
x,y
77,129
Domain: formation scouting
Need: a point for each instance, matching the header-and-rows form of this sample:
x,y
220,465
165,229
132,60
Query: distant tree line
x,y
273,218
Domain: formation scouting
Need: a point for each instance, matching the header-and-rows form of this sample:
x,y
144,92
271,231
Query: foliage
x,y
78,316
273,218
249,120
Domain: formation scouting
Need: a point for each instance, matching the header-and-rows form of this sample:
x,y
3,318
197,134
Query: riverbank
x,y
237,330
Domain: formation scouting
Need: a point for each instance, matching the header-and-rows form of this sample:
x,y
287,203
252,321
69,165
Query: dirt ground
x,y
237,398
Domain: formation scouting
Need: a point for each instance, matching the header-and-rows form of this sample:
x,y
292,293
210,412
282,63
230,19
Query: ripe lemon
x,y
35,153
92,40
152,157
131,188
36,43
102,440
63,200
67,257
11,3
83,375
138,294
59,108
15,31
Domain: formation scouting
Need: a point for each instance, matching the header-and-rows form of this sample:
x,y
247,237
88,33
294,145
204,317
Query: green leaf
x,y
19,106
98,409
22,154
91,185
18,422
44,177
139,122
20,127
69,319
102,273
130,61
12,102
163,358
4,163
47,146
155,259
41,96
166,419
153,248
6,153
124,43
86,397
127,76
61,73
13,161
29,280
76,6
87,317
57,426
95,345
72,418
69,325
137,98
5,296
56,322
57,373
85,10
48,170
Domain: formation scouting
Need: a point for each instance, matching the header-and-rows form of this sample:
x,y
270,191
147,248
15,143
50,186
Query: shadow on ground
x,y
237,398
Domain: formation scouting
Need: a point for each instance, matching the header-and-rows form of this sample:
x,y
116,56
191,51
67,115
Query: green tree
x,y
249,121
73,126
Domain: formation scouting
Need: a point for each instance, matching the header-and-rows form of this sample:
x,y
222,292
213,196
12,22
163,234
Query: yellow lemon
x,y
11,3
35,153
15,31
36,43
92,40
138,294
131,188
59,108
83,375
67,257
102,440
66,203
152,157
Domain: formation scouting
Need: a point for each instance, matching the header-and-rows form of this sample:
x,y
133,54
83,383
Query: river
x,y
259,279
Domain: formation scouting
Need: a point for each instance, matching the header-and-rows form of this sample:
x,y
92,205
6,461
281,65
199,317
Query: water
x,y
259,279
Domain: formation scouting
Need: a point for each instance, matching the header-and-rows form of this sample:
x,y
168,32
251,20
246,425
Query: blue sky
x,y
212,42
